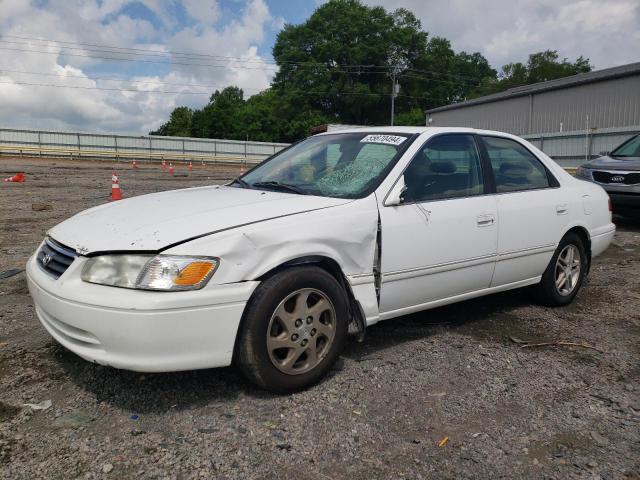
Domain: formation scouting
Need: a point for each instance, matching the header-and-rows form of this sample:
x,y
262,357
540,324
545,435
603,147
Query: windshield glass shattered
x,y
338,165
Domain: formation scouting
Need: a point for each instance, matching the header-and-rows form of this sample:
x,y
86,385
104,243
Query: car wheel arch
x,y
583,233
357,323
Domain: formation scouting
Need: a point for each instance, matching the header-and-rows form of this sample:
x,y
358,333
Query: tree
x,y
541,67
338,63
179,124
337,67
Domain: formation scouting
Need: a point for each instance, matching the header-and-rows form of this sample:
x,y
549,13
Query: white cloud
x,y
607,33
104,23
204,11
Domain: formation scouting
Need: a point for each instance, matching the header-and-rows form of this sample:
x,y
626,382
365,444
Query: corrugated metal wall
x,y
512,113
40,142
607,104
612,103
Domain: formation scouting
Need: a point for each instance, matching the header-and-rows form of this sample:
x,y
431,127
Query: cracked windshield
x,y
344,165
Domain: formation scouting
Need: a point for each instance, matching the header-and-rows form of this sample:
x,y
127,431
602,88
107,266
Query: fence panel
x,y
149,147
569,149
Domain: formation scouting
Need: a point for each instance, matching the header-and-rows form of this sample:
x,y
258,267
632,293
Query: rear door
x,y
532,214
441,240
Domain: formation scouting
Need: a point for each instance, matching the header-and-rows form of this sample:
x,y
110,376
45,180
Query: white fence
x,y
569,149
128,147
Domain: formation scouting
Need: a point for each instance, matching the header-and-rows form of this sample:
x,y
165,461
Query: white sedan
x,y
326,238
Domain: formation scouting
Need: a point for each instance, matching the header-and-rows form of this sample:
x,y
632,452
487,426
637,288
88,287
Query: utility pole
x,y
395,88
396,62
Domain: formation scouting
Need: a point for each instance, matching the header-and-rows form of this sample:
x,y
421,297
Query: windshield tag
x,y
386,139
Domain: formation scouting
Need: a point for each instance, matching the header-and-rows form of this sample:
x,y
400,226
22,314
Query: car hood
x,y
610,163
159,220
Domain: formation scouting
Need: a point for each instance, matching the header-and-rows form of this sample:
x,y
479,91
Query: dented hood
x,y
156,221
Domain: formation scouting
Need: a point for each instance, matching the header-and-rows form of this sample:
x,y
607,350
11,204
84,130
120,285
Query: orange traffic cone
x,y
171,168
190,167
17,178
164,164
134,165
116,194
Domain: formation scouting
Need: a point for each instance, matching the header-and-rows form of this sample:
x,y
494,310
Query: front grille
x,y
54,258
625,178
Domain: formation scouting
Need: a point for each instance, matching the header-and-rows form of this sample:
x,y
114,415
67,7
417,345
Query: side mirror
x,y
396,195
605,153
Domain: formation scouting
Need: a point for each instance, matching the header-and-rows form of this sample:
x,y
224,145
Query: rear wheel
x,y
294,328
565,273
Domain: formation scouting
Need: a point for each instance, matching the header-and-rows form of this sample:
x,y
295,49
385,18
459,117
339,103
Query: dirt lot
x,y
455,372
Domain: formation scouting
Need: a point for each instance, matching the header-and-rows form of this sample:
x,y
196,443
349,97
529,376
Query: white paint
x,y
433,253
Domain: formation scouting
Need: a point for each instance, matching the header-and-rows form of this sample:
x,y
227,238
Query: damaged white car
x,y
274,270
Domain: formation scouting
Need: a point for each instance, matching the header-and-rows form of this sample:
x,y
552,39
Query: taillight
x,y
610,205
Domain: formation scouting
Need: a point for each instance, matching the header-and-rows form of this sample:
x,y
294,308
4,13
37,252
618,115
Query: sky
x,y
63,43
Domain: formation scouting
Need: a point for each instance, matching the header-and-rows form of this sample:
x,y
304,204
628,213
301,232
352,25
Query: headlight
x,y
583,172
147,272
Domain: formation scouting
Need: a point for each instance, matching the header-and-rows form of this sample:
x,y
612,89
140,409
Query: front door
x,y
441,241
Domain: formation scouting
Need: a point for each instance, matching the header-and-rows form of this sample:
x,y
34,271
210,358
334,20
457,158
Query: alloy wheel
x,y
567,272
301,331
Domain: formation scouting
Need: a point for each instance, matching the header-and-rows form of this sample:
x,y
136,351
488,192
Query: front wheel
x,y
565,273
294,328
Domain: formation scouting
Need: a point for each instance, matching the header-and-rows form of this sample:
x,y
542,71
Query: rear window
x,y
514,167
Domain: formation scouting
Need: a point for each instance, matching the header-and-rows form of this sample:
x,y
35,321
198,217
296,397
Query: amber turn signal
x,y
194,273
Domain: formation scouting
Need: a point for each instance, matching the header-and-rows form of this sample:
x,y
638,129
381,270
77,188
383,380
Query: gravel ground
x,y
442,394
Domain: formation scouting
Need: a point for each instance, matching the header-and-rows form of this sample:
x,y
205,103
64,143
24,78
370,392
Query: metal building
x,y
601,99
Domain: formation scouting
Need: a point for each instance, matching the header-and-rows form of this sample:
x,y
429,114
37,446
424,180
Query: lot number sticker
x,y
386,139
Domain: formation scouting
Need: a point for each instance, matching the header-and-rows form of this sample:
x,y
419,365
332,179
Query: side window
x,y
514,167
448,166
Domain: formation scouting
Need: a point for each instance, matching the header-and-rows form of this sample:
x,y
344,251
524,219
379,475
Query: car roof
x,y
415,130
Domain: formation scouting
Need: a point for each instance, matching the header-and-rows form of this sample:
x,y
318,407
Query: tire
x,y
555,290
298,313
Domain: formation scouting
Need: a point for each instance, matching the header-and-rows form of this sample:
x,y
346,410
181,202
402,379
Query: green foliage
x,y
541,67
179,124
337,67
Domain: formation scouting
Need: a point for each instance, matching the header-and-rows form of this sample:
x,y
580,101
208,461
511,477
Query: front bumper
x,y
623,197
139,330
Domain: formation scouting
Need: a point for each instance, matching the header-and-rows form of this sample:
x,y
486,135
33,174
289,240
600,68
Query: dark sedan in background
x,y
619,174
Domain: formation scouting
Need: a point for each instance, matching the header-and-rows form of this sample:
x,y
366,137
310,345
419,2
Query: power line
x,y
190,93
169,53
147,50
211,65
135,52
80,87
111,79
152,82
128,59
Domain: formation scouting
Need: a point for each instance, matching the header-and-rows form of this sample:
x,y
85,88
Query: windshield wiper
x,y
281,186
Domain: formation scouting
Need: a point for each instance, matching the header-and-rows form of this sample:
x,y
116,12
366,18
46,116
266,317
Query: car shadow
x,y
487,318
146,393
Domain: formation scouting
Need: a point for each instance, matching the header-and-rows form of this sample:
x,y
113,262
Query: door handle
x,y
562,209
485,220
